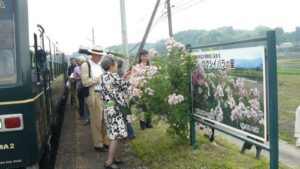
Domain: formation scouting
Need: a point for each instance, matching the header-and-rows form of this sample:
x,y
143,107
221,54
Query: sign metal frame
x,y
271,98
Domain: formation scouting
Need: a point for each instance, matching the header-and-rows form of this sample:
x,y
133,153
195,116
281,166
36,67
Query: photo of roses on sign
x,y
229,89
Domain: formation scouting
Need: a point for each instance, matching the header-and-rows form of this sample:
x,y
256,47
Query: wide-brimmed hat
x,y
83,50
97,50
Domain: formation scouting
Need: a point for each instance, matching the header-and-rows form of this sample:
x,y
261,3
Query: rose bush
x,y
167,93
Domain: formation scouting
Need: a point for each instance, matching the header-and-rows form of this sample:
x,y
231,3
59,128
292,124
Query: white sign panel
x,y
229,90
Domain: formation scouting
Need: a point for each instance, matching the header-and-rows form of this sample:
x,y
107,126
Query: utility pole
x,y
93,37
124,35
148,28
169,18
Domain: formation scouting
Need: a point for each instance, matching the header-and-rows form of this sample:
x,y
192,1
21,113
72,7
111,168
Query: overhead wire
x,y
135,46
179,6
141,30
182,7
162,17
156,21
187,6
180,3
147,15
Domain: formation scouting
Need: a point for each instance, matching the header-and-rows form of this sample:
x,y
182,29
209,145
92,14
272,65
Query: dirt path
x,y
76,149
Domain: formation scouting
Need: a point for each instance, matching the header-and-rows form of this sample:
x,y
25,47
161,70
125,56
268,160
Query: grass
x,y
159,150
288,100
288,66
288,72
251,74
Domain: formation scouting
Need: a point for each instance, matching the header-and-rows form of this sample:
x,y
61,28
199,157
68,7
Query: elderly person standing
x,y
91,75
113,87
127,111
74,101
83,111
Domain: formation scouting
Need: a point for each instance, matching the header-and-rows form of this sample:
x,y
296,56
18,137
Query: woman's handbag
x,y
85,91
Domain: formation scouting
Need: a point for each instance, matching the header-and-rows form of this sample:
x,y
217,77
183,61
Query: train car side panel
x,y
16,145
57,91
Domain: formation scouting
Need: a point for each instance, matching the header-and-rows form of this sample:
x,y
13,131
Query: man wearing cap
x,y
91,76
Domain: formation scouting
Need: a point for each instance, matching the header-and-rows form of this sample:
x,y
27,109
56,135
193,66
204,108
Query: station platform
x,y
76,149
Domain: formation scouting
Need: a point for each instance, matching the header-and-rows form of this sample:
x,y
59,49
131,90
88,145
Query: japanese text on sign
x,y
217,63
214,61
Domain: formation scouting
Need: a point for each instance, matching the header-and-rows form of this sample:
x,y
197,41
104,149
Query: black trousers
x,y
81,105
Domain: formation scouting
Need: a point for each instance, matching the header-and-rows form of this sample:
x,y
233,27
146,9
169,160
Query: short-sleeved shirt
x,y
96,71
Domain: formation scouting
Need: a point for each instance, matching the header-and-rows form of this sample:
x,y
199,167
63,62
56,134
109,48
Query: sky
x,y
70,22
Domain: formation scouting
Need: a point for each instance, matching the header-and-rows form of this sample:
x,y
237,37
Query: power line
x,y
140,31
178,8
142,18
163,15
160,18
187,3
180,3
148,27
155,23
135,46
147,15
186,7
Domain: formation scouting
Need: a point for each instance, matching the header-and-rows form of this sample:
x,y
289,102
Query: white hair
x,y
81,59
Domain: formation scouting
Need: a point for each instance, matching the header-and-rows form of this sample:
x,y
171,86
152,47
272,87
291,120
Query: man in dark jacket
x,y
72,82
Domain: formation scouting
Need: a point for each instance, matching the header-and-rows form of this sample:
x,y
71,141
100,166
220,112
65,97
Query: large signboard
x,y
229,90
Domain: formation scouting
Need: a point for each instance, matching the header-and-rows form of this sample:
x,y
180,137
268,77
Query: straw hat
x,y
97,50
83,50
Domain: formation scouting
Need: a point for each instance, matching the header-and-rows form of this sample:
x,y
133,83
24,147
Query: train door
x,y
43,75
49,74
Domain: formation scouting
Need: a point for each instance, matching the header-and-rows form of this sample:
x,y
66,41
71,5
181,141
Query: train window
x,y
8,72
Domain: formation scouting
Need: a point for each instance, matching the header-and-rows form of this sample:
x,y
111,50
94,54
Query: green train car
x,y
32,85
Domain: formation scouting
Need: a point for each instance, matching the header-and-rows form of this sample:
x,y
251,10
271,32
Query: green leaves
x,y
173,77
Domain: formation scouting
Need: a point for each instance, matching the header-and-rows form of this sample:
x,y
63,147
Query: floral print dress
x,y
113,88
